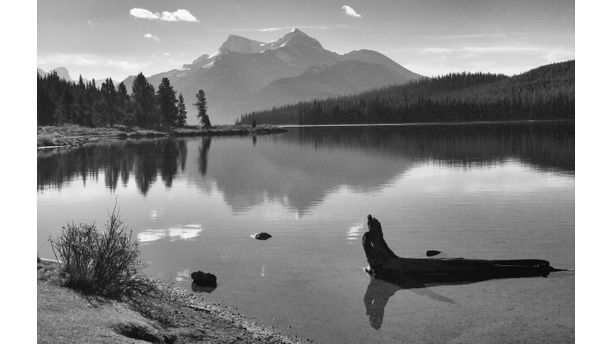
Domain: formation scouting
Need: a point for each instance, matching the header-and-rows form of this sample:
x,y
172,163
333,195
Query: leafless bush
x,y
102,262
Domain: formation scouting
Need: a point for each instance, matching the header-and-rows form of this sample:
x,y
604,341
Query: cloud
x,y
349,11
178,15
151,36
143,14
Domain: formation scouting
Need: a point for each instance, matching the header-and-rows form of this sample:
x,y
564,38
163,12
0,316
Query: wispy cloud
x,y
151,37
178,15
507,59
282,28
89,60
349,11
116,66
496,49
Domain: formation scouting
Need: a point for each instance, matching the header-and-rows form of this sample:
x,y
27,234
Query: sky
x,y
117,38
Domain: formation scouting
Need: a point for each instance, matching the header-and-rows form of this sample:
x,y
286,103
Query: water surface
x,y
477,191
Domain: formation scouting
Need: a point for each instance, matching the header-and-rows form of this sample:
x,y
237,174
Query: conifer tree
x,y
201,105
181,119
166,102
123,105
143,95
109,101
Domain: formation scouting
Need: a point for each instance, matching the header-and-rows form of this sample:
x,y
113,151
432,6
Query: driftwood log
x,y
386,265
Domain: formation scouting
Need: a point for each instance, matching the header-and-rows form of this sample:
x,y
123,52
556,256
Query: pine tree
x,y
109,101
201,105
143,95
181,119
123,105
166,102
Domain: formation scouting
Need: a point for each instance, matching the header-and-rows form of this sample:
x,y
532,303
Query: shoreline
x,y
73,135
178,316
416,124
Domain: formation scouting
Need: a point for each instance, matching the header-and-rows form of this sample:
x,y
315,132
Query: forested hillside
x,y
546,92
61,101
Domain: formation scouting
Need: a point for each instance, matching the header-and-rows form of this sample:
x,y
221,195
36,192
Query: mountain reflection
x,y
546,146
300,168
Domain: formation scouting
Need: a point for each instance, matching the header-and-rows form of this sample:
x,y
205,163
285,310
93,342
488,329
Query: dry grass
x,y
101,262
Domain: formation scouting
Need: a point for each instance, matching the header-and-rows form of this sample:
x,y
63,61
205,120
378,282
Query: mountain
x,y
543,93
62,72
371,56
246,75
342,78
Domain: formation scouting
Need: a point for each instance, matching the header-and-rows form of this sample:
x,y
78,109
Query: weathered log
x,y
385,264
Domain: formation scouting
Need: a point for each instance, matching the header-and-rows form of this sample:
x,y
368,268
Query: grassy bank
x,y
166,315
72,135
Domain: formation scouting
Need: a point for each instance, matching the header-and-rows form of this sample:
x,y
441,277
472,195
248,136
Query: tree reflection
x,y
116,161
204,148
300,168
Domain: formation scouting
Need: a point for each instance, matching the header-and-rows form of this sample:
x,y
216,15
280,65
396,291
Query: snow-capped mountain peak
x,y
241,45
246,74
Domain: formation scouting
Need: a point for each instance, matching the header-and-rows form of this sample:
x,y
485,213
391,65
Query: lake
x,y
491,191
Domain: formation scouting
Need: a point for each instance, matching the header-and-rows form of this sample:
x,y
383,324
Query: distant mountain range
x,y
543,93
246,75
62,72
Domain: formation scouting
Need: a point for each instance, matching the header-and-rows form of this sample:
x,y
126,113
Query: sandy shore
x,y
73,135
66,316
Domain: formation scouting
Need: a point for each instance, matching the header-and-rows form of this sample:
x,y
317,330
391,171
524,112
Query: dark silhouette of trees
x,y
201,105
83,103
181,119
143,95
167,103
109,102
124,104
546,92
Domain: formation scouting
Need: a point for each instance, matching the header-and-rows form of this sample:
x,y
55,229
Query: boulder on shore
x,y
204,279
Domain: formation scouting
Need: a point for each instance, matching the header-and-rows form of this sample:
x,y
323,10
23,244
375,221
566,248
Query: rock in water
x,y
262,236
204,279
431,253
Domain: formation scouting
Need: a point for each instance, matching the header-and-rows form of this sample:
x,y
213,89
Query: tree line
x,y
83,103
543,93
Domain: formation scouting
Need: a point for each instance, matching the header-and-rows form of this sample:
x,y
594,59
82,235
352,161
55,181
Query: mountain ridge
x,y
61,72
235,77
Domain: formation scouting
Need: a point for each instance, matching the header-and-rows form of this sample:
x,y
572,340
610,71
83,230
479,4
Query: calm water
x,y
474,191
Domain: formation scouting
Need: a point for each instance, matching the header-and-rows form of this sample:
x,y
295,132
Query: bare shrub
x,y
102,262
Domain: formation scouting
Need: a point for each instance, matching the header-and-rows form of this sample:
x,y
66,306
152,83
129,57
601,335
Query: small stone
x,y
262,236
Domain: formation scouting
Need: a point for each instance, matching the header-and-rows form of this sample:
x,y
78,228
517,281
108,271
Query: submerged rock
x,y
262,236
199,289
204,279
